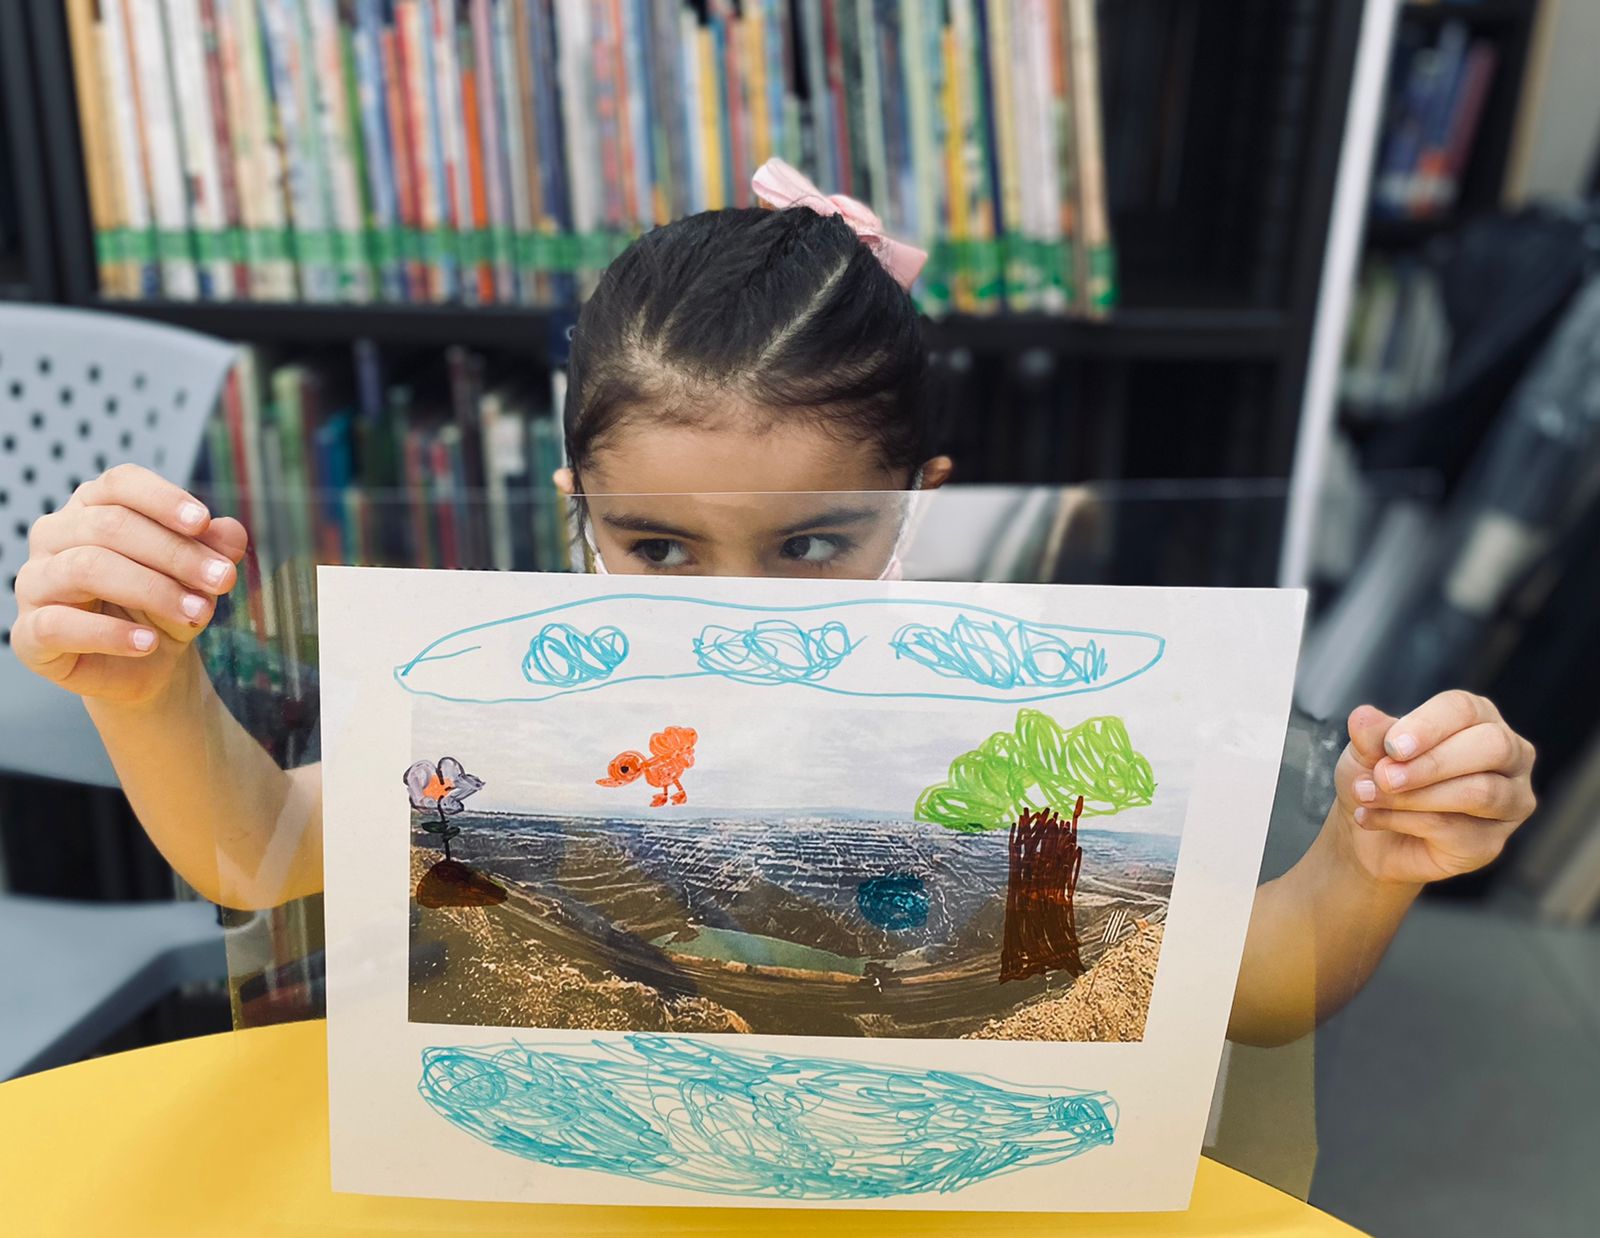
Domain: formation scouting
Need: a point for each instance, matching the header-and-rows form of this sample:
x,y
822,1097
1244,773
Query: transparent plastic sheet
x,y
261,654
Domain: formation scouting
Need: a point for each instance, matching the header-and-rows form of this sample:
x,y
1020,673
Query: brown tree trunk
x,y
1041,934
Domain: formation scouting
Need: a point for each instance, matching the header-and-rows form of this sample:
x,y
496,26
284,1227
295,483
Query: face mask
x,y
893,570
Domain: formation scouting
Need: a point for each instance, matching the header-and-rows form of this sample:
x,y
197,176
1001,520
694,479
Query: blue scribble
x,y
1000,655
895,901
773,651
683,1113
561,656
834,647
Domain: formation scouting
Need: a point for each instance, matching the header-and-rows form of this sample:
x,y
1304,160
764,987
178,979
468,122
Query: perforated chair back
x,y
79,392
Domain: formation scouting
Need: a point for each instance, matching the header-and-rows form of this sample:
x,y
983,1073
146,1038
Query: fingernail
x,y
191,513
144,640
1366,790
214,570
1361,816
193,605
1402,746
1397,777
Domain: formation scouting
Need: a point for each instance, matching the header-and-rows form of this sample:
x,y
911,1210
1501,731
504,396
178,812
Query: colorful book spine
x,y
363,29
218,66
504,151
132,163
113,261
1098,278
145,24
197,149
493,145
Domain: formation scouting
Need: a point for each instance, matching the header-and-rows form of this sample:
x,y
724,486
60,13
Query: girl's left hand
x,y
1433,794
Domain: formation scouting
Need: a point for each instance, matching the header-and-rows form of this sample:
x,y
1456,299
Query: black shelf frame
x,y
1130,334
1267,344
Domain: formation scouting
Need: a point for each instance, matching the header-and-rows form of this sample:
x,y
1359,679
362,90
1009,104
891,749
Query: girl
x,y
750,350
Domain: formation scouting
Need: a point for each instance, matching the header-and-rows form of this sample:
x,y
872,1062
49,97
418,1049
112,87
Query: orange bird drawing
x,y
671,752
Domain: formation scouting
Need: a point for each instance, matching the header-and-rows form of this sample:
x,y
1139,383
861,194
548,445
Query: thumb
x,y
1368,725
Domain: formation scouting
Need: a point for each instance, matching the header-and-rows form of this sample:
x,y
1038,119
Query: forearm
x,y
1316,935
236,826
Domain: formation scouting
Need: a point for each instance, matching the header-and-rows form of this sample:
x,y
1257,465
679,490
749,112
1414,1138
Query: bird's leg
x,y
682,796
660,799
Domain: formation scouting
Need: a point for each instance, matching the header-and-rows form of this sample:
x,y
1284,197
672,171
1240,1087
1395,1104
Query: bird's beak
x,y
608,782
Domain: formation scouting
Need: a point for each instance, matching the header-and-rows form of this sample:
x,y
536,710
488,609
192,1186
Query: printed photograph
x,y
978,871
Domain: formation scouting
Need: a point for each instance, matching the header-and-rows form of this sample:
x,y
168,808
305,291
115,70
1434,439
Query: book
x,y
132,164
504,151
113,261
1097,278
199,165
146,27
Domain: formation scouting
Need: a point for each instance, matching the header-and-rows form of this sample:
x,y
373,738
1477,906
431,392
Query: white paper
x,y
785,884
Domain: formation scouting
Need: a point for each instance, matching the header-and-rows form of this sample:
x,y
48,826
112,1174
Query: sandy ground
x,y
485,966
1108,1002
476,965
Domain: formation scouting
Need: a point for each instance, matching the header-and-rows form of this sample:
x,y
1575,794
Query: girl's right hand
x,y
119,582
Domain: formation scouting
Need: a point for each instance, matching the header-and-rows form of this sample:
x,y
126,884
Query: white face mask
x,y
893,570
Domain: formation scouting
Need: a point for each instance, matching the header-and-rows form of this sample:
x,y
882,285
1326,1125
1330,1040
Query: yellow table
x,y
228,1135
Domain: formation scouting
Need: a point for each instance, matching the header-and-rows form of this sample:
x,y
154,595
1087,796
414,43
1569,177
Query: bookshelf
x,y
1223,126
1507,27
1400,333
26,271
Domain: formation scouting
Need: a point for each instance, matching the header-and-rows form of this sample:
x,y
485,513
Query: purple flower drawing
x,y
441,788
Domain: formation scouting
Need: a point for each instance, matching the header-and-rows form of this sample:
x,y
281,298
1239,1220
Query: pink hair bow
x,y
778,184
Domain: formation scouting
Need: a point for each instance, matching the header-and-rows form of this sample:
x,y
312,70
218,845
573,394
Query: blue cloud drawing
x,y
680,1112
862,647
561,656
773,651
1000,654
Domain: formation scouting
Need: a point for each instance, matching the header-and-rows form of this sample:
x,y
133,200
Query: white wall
x,y
1562,105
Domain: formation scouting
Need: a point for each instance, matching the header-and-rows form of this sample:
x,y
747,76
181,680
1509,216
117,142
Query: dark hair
x,y
787,310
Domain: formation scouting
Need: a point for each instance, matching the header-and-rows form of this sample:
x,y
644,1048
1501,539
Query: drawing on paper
x,y
437,792
722,1120
671,753
901,907
1022,780
861,647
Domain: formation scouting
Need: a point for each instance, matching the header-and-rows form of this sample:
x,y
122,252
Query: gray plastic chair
x,y
80,971
79,392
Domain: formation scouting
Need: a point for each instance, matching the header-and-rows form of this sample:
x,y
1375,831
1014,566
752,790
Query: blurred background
x,y
1283,292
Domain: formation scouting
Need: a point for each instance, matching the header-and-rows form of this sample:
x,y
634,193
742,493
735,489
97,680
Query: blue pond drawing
x,y
682,1113
879,647
895,901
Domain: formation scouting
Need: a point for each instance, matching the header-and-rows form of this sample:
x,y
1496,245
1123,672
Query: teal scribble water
x,y
680,1112
895,901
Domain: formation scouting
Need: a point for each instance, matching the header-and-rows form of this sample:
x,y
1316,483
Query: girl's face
x,y
724,501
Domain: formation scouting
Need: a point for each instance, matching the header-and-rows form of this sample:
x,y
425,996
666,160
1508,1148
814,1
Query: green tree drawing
x,y
1039,766
1037,780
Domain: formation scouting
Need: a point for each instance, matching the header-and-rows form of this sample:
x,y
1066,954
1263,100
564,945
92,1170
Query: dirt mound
x,y
1108,1002
475,964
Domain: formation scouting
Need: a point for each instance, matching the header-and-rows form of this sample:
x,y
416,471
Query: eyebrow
x,y
643,524
834,516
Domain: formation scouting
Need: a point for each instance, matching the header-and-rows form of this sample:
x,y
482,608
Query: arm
x,y
1420,798
242,831
117,585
